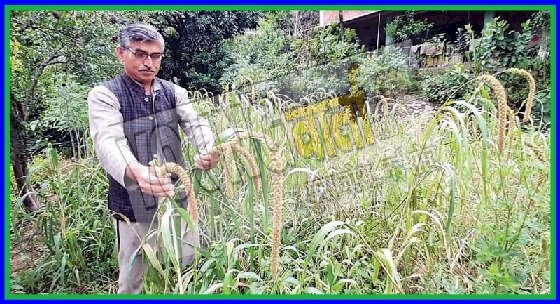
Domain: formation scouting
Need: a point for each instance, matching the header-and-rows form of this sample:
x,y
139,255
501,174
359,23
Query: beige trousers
x,y
132,265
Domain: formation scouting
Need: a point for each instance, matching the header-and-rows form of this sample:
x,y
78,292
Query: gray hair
x,y
139,32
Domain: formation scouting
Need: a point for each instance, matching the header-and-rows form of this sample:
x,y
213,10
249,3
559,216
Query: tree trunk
x,y
35,80
79,141
341,25
18,148
19,157
73,144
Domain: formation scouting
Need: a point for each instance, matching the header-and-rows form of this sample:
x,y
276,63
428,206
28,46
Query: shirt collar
x,y
138,86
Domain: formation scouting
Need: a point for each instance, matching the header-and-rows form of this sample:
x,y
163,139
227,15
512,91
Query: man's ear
x,y
119,51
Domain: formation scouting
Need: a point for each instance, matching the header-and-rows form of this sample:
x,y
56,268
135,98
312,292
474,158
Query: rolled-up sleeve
x,y
197,128
106,127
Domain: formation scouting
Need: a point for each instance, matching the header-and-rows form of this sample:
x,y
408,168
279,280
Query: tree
x,y
407,26
274,57
264,56
45,43
194,52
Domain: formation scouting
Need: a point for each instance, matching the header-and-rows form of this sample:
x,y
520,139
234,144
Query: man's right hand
x,y
148,180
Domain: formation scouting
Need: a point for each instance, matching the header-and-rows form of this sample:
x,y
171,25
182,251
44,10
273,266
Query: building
x,y
370,25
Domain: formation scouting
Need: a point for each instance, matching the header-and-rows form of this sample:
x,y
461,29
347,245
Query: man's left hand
x,y
206,161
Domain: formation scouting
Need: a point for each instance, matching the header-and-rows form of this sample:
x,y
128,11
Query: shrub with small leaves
x,y
449,85
385,74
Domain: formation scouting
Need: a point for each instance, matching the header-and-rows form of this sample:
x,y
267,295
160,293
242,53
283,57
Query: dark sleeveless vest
x,y
151,129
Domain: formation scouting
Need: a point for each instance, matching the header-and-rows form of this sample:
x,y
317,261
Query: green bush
x,y
407,27
451,84
332,77
264,55
273,59
501,48
386,73
326,46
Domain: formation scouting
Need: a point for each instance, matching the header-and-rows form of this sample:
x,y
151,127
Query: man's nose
x,y
148,61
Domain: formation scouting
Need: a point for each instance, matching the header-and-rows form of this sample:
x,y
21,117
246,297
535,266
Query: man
x,y
134,118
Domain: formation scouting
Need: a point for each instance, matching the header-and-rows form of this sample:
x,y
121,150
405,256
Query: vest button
x,y
146,99
150,117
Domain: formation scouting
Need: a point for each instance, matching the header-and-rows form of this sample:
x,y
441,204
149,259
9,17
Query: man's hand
x,y
149,181
206,161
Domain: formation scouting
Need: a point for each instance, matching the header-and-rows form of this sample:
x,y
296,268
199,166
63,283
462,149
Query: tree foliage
x,y
194,53
49,44
501,48
273,57
386,73
263,56
407,26
45,44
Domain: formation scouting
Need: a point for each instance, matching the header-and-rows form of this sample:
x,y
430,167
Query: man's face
x,y
141,60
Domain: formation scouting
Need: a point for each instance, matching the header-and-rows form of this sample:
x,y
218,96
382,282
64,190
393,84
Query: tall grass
x,y
436,204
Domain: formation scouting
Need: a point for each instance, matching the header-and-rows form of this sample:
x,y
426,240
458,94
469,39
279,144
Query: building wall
x,y
328,17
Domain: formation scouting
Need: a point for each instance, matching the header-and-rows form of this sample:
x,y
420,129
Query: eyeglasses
x,y
139,54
